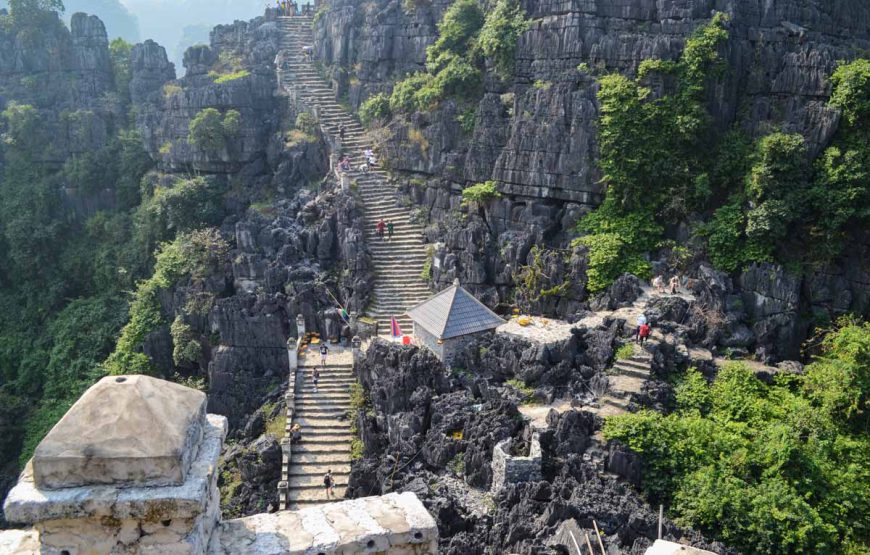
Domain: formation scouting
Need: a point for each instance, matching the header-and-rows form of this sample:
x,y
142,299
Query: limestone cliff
x,y
535,134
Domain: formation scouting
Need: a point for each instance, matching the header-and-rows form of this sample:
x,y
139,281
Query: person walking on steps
x,y
324,350
329,484
643,333
659,283
381,227
316,378
341,131
641,320
390,229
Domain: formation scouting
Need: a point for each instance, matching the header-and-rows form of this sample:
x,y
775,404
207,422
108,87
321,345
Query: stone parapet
x,y
511,469
393,524
115,519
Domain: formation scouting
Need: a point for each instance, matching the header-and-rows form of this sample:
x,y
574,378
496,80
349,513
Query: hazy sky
x,y
175,24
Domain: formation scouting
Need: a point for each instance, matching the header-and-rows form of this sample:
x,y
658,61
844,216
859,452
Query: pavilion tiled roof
x,y
454,312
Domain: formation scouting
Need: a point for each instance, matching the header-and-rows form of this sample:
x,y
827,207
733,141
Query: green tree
x,y
769,469
501,30
119,51
375,108
212,131
777,188
29,12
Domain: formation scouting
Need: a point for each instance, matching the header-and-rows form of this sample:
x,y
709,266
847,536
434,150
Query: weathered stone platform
x,y
395,524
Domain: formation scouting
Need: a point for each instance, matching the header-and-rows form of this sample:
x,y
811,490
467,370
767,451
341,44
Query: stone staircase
x,y
398,262
326,436
624,381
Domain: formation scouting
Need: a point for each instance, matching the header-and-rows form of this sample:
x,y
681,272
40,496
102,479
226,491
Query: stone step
x,y
631,363
305,482
321,414
299,458
325,432
307,448
325,396
613,402
316,439
306,402
319,469
633,373
306,498
322,427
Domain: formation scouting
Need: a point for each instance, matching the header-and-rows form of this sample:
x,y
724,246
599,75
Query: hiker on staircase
x,y
641,320
643,333
329,484
381,227
324,350
390,229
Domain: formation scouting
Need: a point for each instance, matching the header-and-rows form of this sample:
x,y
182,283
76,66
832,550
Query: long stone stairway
x,y
398,262
322,412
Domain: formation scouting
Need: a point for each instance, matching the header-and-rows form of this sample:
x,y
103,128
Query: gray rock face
x,y
66,74
234,73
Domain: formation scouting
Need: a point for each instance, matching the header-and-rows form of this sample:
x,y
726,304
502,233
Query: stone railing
x,y
511,469
132,469
394,524
294,346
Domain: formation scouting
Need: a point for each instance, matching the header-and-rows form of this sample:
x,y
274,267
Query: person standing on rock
x,y
329,484
674,284
390,229
659,283
381,227
324,350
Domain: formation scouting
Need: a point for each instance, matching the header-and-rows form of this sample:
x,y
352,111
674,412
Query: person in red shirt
x,y
643,333
381,227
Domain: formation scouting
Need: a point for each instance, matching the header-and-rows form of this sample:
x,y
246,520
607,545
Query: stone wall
x,y
511,469
394,524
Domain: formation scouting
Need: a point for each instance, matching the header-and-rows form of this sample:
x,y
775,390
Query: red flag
x,y
394,327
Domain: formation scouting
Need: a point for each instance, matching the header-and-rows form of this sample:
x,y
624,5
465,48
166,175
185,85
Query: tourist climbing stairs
x,y
398,261
322,412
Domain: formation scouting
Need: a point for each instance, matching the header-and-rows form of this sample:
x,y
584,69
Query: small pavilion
x,y
450,318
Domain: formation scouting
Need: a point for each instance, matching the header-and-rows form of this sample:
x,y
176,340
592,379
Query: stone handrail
x,y
293,351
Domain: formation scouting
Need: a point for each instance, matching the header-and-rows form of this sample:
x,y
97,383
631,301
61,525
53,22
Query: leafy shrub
x,y
481,192
185,348
851,90
457,30
609,258
768,469
211,131
307,122
191,256
402,98
221,78
375,108
499,35
625,352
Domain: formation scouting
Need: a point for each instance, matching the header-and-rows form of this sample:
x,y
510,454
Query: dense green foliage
x,y
783,208
212,131
768,469
455,61
651,157
498,38
191,256
375,108
480,192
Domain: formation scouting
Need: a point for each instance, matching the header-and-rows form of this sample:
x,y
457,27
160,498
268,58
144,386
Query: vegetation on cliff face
x,y
455,62
768,469
77,233
765,200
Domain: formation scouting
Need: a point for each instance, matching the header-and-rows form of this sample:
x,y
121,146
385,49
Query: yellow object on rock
x,y
524,321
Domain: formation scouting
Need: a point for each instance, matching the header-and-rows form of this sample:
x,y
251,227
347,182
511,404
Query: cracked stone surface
x,y
125,430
